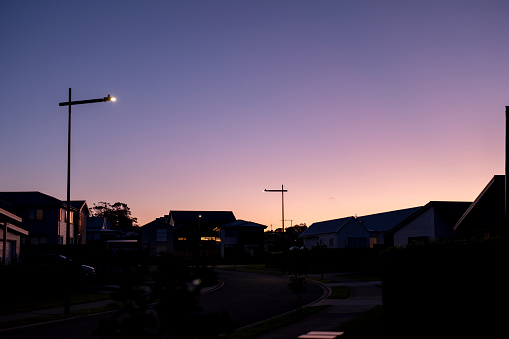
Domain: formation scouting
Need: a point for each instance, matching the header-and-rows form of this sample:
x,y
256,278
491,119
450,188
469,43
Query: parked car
x,y
56,263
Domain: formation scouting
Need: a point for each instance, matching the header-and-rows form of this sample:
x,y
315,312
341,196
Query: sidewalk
x,y
363,297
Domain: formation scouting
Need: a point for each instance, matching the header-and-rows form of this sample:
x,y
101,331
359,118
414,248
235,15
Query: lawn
x,y
339,292
50,302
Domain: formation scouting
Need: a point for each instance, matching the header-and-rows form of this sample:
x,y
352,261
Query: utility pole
x,y
290,220
282,190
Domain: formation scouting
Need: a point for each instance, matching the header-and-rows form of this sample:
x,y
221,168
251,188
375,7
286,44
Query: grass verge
x,y
339,292
366,326
50,302
272,324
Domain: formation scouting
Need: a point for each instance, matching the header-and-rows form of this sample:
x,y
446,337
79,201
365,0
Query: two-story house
x,y
196,231
241,238
44,217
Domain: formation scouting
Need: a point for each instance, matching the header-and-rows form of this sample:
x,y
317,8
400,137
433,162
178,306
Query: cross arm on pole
x,y
79,102
282,190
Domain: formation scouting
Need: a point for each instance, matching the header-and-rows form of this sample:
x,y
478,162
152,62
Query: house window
x,y
161,234
35,214
331,242
63,214
182,239
354,242
229,233
208,238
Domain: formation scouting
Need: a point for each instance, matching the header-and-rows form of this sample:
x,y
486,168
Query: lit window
x,y
182,239
208,238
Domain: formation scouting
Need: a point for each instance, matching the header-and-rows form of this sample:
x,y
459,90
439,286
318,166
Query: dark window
x,y
161,234
35,214
354,242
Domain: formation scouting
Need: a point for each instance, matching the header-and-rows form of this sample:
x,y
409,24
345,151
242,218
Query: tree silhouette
x,y
119,215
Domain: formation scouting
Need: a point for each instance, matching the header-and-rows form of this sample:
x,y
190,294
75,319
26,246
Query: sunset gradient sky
x,y
356,107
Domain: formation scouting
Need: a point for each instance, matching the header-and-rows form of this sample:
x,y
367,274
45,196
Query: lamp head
x,y
110,98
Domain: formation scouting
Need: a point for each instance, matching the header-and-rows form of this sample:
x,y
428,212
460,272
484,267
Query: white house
x,y
354,232
338,233
433,221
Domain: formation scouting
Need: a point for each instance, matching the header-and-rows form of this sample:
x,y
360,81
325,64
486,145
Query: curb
x,y
208,290
326,292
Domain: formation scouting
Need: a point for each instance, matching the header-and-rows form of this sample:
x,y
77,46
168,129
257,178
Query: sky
x,y
356,107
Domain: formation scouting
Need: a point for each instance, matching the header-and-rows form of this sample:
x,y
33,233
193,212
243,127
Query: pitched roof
x,y
487,210
450,211
29,198
323,227
380,222
384,222
158,223
180,216
243,223
35,198
98,223
77,204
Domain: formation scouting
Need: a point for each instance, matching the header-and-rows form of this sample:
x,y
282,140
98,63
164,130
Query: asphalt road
x,y
249,297
246,297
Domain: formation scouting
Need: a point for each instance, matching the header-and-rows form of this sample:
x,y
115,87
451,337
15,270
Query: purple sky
x,y
357,107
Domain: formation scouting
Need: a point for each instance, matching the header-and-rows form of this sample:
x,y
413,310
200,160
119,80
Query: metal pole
x,y
4,250
506,166
282,190
67,291
283,206
68,221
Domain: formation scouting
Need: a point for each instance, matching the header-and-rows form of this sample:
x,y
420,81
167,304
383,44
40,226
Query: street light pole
x,y
71,103
68,215
506,184
282,190
68,221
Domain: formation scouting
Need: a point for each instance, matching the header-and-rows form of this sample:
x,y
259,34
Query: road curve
x,y
251,297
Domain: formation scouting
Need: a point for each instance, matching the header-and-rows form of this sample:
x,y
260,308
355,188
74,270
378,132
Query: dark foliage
x,y
119,215
323,260
166,309
453,289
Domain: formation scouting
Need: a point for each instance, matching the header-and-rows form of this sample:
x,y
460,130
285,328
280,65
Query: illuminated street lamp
x,y
71,103
68,226
282,190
